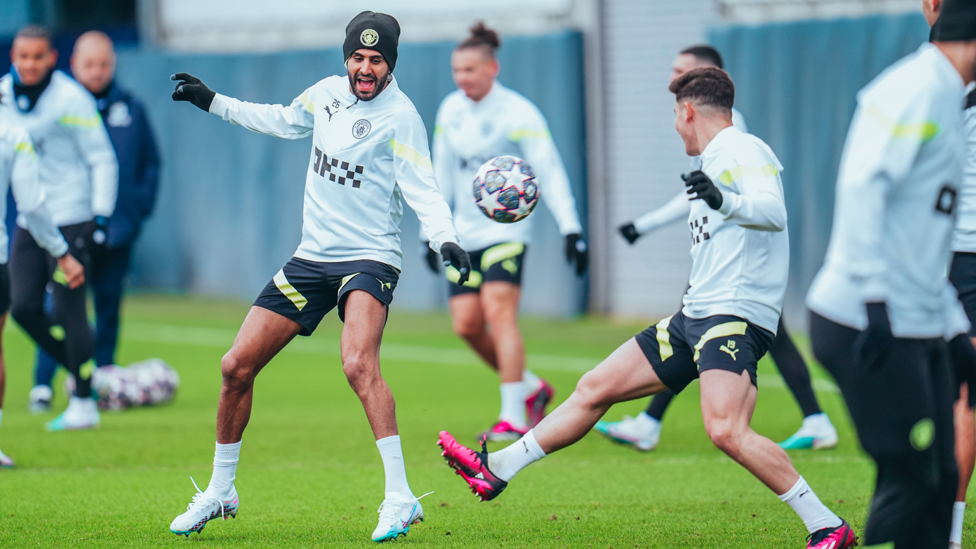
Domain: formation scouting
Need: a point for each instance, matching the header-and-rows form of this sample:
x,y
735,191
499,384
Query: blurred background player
x,y
369,148
644,431
878,312
740,253
481,120
18,172
125,119
79,175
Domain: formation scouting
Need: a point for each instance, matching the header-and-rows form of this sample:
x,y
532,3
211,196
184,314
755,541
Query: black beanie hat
x,y
957,22
374,31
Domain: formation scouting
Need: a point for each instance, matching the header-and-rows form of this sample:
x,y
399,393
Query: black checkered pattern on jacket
x,y
698,232
338,170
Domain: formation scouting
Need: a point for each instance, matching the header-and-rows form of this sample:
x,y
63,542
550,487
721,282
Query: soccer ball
x,y
505,189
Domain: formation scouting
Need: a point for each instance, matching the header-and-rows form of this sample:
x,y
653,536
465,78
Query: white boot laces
x,y
389,508
201,498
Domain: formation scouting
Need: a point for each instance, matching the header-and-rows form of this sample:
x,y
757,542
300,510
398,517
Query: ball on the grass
x,y
505,189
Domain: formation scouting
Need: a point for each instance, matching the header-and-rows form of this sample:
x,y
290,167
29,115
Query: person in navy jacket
x,y
93,66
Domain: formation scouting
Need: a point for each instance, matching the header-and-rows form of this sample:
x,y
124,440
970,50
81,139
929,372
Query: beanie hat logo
x,y
369,37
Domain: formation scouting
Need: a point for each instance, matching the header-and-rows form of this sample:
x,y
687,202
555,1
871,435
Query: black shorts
x,y
305,291
499,263
4,288
962,274
679,348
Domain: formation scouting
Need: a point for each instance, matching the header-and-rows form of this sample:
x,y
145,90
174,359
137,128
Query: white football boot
x,y
81,413
5,461
816,433
397,512
642,432
39,401
203,509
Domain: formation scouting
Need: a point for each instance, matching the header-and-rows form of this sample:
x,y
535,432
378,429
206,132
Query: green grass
x,y
310,474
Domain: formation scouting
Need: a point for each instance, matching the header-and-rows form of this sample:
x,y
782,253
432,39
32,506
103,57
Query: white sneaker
x,y
397,512
39,401
5,461
642,432
817,432
81,413
203,509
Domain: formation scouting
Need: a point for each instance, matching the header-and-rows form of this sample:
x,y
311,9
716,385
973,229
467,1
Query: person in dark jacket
x,y
93,66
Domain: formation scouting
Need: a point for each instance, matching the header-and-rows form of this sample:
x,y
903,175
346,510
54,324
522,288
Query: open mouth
x,y
365,84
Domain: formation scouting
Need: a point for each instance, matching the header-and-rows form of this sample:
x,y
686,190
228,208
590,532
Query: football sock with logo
x,y
513,404
392,454
958,512
531,382
225,461
507,462
814,514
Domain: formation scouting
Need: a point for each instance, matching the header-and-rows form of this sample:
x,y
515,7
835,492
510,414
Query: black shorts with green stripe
x,y
305,291
498,263
679,348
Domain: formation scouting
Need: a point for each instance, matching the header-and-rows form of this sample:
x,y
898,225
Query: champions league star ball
x,y
505,189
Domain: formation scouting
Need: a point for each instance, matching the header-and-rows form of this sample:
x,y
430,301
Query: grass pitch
x,y
310,474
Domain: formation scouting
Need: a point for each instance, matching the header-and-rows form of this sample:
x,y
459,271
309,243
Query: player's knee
x,y
359,369
725,436
592,391
237,375
469,328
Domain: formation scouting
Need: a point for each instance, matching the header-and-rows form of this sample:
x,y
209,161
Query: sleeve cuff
x,y
219,105
729,203
59,250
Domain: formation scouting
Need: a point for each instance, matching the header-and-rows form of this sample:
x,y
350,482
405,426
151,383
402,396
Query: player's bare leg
x,y
362,333
965,425
5,460
469,323
262,336
500,302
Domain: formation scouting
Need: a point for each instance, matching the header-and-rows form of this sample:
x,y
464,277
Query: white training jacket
x,y
678,207
740,253
366,156
18,172
468,134
897,191
78,168
964,237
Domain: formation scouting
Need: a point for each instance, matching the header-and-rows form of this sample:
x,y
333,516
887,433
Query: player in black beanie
x,y
371,38
957,22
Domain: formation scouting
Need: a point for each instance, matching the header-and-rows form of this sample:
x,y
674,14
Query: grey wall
x,y
796,84
230,204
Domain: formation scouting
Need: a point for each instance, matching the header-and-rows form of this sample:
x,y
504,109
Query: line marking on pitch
x,y
222,339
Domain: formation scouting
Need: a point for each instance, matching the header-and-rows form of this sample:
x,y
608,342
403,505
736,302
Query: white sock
x,y
530,381
958,511
392,454
225,461
513,404
814,514
507,462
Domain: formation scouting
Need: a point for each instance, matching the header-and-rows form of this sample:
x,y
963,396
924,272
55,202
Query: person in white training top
x,y
369,150
740,255
18,173
878,306
481,120
644,431
78,173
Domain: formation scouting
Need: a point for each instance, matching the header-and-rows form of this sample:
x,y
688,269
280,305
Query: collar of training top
x,y
957,22
374,31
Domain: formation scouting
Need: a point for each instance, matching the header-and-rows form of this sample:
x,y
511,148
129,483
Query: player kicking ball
x,y
369,148
740,265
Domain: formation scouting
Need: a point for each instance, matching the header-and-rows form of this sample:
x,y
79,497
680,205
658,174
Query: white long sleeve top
x,y
18,172
366,157
78,169
740,253
897,192
678,207
469,133
964,237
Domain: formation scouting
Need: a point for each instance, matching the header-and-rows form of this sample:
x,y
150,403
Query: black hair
x,y
481,37
36,31
705,86
706,54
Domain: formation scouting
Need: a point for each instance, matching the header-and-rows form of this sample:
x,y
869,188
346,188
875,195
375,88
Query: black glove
x,y
577,251
455,257
629,231
430,255
700,186
963,357
99,235
192,89
873,345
